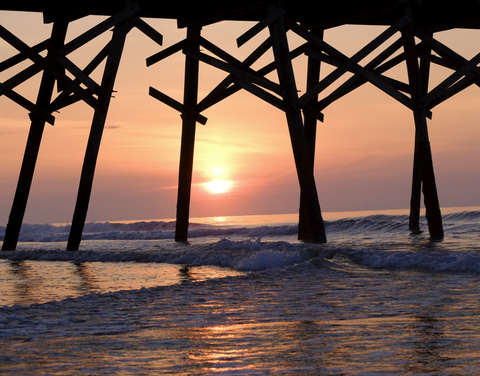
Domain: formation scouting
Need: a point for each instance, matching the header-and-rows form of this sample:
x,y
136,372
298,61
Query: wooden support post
x,y
416,195
96,131
422,143
188,134
32,148
310,123
415,201
313,231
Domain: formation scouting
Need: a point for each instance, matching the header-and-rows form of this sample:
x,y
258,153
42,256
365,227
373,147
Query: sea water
x,y
244,297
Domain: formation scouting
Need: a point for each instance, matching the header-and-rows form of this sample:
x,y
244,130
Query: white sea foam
x,y
244,248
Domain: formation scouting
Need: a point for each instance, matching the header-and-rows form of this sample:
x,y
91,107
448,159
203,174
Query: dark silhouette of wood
x,y
313,230
415,201
310,123
422,143
188,135
96,131
32,148
291,15
416,194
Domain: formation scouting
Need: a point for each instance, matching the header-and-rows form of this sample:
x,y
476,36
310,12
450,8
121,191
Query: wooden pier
x,y
408,41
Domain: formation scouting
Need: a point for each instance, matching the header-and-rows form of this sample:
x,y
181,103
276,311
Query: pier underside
x,y
408,41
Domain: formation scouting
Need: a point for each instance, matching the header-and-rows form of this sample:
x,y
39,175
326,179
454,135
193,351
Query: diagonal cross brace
x,y
268,20
46,63
18,58
122,15
225,88
65,99
176,105
357,81
33,108
347,63
247,74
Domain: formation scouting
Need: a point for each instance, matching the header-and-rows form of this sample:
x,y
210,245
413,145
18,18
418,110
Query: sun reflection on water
x,y
219,352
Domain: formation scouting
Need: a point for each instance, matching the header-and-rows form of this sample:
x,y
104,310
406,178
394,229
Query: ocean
x,y
244,297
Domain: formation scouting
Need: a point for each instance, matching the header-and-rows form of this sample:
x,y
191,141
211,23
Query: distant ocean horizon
x,y
285,218
244,297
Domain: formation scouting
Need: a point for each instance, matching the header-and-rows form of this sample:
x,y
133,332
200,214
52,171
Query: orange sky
x,y
364,147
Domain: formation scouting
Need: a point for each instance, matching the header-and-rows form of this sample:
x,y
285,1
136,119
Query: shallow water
x,y
310,319
28,282
372,301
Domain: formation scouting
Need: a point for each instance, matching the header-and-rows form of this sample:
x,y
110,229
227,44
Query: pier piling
x,y
313,230
96,131
422,144
188,134
37,126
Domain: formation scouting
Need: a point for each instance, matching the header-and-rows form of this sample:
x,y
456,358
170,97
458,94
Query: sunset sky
x,y
364,148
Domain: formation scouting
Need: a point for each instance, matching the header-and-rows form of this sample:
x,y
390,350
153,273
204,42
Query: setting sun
x,y
218,186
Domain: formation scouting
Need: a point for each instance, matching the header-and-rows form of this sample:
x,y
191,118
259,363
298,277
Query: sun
x,y
218,186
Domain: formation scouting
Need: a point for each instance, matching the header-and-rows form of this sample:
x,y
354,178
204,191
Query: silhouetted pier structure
x,y
411,24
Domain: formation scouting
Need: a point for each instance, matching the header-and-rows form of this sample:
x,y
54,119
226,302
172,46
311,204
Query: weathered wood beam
x,y
65,99
217,95
439,91
259,26
347,63
456,88
358,78
422,143
238,71
188,135
224,88
237,67
20,57
73,45
451,59
356,81
33,108
372,77
80,76
310,124
166,52
88,170
56,71
32,148
259,93
314,226
416,193
169,101
388,85
146,29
